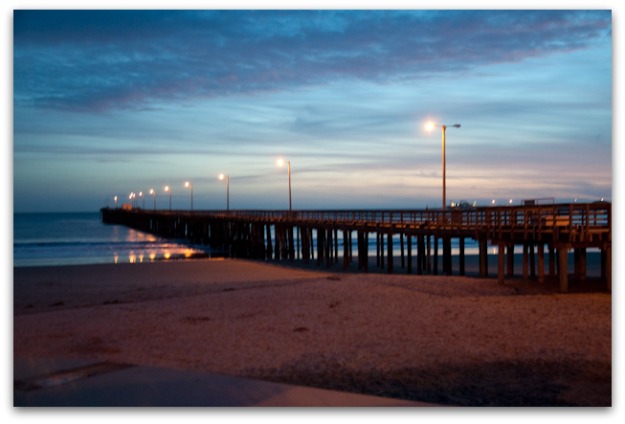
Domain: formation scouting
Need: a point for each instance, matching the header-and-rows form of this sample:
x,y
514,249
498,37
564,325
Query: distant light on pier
x,y
153,193
188,184
227,178
168,190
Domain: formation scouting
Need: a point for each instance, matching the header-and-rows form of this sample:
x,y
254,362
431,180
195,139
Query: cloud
x,y
107,60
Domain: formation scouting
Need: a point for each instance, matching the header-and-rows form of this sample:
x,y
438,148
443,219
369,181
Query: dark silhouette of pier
x,y
538,230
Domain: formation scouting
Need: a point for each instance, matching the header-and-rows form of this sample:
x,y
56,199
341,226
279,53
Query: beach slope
x,y
445,340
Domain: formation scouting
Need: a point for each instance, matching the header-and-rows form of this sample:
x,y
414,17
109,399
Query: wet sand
x,y
446,340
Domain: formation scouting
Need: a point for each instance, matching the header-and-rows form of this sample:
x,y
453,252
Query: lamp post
x,y
142,200
280,163
187,184
429,127
115,200
168,190
227,178
153,193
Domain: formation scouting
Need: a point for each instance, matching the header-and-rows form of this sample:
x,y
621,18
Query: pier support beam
x,y
321,241
461,256
390,253
334,247
526,256
552,261
409,242
270,244
532,260
421,259
606,266
381,245
541,263
563,267
501,262
401,249
328,246
435,265
447,255
346,243
428,264
365,250
291,243
511,260
483,252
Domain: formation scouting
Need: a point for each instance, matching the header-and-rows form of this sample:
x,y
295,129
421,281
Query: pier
x,y
537,230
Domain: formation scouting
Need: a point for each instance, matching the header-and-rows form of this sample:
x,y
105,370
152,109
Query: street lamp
x,y
153,193
142,200
115,200
227,178
429,127
187,184
131,197
280,163
168,190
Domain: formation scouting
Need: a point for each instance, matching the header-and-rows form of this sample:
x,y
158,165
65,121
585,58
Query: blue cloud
x,y
106,60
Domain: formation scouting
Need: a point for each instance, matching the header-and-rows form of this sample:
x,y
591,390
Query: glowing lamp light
x,y
188,184
168,190
429,127
153,193
227,178
280,162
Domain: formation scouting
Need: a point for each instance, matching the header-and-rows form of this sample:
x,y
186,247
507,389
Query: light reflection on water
x,y
81,238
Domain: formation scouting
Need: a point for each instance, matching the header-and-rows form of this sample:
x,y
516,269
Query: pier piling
x,y
295,235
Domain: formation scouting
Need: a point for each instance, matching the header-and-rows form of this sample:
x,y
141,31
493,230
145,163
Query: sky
x,y
110,102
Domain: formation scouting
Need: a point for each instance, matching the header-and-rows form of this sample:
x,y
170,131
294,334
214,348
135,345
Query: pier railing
x,y
580,221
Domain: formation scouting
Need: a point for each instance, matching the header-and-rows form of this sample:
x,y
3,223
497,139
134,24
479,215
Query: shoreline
x,y
471,263
446,340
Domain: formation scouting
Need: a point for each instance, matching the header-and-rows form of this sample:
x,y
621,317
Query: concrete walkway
x,y
54,382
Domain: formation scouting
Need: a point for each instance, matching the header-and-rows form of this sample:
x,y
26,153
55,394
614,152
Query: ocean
x,y
41,239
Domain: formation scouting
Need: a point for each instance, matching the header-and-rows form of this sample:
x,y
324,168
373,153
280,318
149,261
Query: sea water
x,y
81,238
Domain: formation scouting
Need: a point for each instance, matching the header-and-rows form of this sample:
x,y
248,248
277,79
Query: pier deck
x,y
290,235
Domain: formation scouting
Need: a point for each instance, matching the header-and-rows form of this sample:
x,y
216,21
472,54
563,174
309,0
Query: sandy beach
x,y
445,340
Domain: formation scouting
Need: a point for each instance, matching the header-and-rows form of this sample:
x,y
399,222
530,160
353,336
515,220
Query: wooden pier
x,y
314,236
